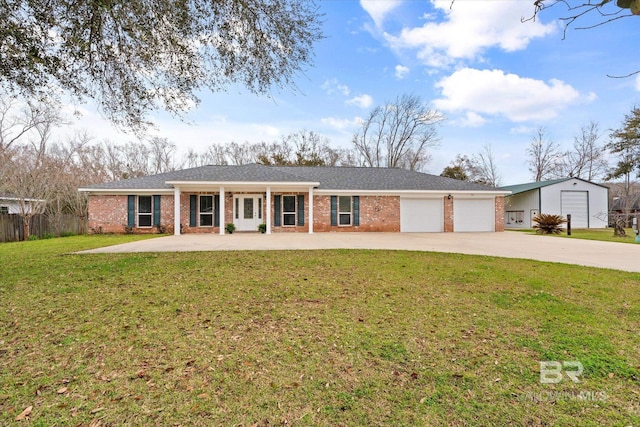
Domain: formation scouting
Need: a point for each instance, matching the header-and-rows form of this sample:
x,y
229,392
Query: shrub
x,y
33,237
230,228
262,228
548,224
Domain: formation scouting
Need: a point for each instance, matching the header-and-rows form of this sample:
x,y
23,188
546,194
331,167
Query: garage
x,y
576,204
473,215
421,215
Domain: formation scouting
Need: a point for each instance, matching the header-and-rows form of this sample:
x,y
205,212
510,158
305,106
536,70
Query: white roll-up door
x,y
576,203
473,215
421,215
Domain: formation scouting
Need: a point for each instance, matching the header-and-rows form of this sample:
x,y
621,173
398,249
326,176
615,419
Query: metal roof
x,y
522,188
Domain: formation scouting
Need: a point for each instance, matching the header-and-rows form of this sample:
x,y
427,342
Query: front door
x,y
247,212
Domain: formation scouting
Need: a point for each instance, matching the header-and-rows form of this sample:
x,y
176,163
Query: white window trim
x,y
344,213
516,220
149,214
295,210
200,213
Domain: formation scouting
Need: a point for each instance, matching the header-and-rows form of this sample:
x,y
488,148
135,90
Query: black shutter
x,y
131,211
300,209
356,210
156,211
193,207
276,210
216,210
334,210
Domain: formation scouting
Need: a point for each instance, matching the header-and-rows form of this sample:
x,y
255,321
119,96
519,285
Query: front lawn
x,y
605,235
340,337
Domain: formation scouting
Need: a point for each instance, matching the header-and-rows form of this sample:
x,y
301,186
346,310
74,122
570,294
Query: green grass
x,y
604,235
310,338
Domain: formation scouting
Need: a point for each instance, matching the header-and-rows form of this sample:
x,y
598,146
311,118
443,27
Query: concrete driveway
x,y
618,256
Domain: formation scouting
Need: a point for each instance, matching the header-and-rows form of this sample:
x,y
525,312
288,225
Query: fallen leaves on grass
x,y
24,414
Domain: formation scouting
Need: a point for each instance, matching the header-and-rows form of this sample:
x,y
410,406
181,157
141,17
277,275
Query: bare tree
x,y
274,154
605,11
485,168
135,158
20,119
25,172
544,156
240,154
398,134
587,158
480,168
162,155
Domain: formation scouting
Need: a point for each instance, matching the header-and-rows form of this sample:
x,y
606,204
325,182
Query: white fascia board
x,y
414,193
242,183
168,191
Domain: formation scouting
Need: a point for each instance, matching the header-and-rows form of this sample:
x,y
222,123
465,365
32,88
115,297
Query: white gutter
x,y
245,183
413,192
127,190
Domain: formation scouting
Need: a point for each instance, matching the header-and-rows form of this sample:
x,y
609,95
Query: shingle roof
x,y
228,173
330,178
521,188
365,178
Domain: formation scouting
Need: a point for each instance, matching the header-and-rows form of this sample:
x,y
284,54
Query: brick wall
x,y
377,213
108,214
289,229
185,208
499,213
448,214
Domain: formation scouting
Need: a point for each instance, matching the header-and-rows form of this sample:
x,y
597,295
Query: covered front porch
x,y
201,207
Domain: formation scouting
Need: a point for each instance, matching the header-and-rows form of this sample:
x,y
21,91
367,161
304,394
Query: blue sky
x,y
494,78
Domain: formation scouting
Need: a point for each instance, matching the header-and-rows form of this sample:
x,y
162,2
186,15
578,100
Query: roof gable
x,y
522,188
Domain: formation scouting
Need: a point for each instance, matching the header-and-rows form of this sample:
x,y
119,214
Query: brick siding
x,y
290,228
448,214
377,213
499,213
108,214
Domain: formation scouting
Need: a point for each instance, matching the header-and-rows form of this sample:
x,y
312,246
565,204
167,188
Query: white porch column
x,y
268,210
310,210
222,208
176,211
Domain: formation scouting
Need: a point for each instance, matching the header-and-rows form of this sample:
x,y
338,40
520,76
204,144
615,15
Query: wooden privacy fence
x,y
12,230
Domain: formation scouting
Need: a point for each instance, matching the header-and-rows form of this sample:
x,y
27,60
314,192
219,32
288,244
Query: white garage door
x,y
421,215
576,203
473,215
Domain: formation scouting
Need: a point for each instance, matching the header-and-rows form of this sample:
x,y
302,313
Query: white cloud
x,y
342,124
493,92
378,9
401,71
334,86
522,130
473,120
638,82
468,28
362,101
